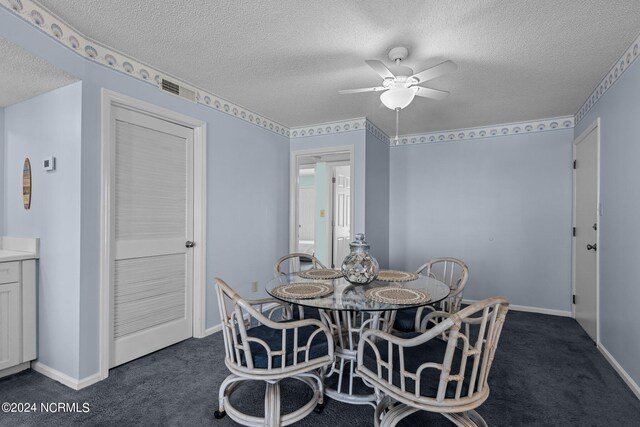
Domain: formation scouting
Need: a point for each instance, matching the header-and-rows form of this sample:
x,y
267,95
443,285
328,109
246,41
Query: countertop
x,y
9,255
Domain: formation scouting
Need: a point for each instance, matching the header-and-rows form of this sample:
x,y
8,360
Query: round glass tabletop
x,y
346,296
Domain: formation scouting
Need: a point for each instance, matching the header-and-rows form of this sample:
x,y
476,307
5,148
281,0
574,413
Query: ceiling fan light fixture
x,y
397,98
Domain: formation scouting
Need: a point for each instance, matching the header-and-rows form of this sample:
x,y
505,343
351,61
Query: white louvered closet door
x,y
152,218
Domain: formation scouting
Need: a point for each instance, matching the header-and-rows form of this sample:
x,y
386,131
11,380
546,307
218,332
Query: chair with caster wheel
x,y
258,348
443,369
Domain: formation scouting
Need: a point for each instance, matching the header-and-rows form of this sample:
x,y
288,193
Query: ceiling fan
x,y
401,86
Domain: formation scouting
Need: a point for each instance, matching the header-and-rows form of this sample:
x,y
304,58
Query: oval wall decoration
x,y
26,184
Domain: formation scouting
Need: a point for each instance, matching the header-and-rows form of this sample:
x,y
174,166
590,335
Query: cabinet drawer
x,y
9,272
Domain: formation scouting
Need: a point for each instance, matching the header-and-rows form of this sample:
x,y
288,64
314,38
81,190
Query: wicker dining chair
x,y
258,348
451,271
444,369
292,263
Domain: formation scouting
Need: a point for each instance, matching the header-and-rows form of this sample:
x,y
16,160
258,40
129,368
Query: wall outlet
x,y
254,286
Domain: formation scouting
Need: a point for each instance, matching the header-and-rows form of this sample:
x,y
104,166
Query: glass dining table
x,y
349,310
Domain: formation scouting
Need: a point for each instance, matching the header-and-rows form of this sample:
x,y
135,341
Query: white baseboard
x,y
212,330
65,379
620,370
528,309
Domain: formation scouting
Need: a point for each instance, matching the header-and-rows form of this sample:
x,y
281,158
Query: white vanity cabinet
x,y
17,303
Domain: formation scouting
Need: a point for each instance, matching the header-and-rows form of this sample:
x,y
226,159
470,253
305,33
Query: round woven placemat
x,y
302,290
395,295
396,276
321,273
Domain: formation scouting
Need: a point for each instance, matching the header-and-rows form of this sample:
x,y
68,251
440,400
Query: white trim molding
x,y
529,309
620,66
213,329
109,100
64,379
543,125
52,25
620,370
350,125
293,185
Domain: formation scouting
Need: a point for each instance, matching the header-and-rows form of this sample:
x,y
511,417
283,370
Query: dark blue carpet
x,y
547,372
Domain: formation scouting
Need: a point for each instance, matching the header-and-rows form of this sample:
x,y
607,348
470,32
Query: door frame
x,y
293,186
595,125
110,100
332,211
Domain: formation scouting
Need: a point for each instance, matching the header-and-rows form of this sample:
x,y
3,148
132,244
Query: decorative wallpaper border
x,y
59,30
557,123
629,56
544,125
378,133
341,126
326,128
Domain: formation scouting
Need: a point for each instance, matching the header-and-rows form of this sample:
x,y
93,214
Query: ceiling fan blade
x,y
437,71
364,89
380,68
426,92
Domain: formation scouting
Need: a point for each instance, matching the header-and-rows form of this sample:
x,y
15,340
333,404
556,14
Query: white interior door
x,y
586,225
341,213
306,226
152,214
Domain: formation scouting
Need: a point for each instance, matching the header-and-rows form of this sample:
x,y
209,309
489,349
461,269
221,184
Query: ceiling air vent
x,y
176,89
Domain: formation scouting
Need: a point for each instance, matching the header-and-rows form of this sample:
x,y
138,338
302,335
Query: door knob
x,y
189,244
593,247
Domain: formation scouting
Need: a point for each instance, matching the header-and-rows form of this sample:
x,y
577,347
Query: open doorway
x,y
321,204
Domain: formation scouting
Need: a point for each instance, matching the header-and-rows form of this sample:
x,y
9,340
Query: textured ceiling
x,y
286,59
23,75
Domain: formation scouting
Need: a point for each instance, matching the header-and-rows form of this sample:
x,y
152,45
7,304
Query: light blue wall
x,y
619,112
2,138
502,204
49,125
357,139
247,188
377,198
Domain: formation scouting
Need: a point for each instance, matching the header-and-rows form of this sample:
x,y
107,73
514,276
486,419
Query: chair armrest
x,y
261,318
374,338
372,335
266,300
280,306
431,317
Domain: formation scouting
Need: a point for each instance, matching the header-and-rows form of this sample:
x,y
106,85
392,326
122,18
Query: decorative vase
x,y
359,267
